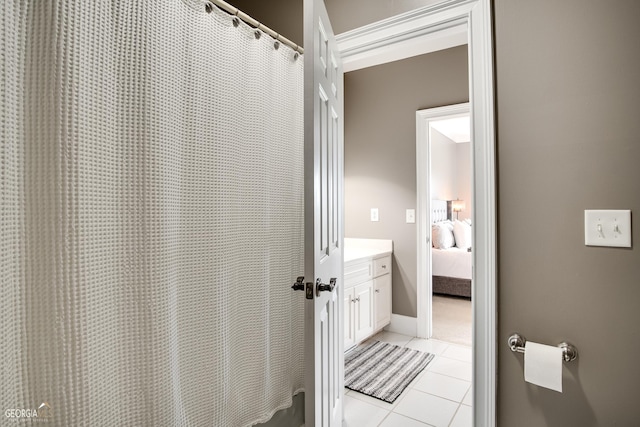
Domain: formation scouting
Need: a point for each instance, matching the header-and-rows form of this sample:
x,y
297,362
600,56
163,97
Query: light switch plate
x,y
374,215
411,216
607,228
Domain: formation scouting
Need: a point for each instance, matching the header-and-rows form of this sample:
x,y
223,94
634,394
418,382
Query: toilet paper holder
x,y
517,342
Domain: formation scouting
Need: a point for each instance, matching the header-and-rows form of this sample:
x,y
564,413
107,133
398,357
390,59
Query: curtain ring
x,y
295,56
236,22
208,7
257,34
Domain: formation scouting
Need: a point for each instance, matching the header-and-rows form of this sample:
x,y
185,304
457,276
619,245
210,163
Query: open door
x,y
323,165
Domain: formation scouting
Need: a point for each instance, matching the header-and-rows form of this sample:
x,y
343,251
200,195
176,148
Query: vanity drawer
x,y
382,266
357,273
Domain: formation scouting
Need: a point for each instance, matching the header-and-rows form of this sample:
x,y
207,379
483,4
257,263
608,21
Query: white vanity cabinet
x,y
361,310
367,293
382,298
349,318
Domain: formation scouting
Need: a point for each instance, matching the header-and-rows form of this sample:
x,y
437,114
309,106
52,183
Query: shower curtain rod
x,y
249,20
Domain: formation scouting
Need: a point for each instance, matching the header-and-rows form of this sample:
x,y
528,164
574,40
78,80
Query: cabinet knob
x,y
384,266
377,291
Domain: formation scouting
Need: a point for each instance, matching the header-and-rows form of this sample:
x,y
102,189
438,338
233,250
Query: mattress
x,y
453,262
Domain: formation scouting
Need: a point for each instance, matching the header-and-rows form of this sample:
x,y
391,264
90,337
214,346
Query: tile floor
x,y
439,397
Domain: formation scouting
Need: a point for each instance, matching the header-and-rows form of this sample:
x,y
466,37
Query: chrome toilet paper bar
x,y
517,342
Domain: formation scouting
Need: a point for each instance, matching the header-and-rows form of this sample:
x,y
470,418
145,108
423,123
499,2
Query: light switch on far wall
x,y
411,216
607,228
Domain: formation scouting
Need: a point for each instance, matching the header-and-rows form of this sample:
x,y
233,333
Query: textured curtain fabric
x,y
152,216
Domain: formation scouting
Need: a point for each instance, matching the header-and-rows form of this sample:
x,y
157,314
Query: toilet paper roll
x,y
543,365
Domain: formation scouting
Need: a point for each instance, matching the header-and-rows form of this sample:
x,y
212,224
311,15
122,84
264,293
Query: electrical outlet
x,y
607,228
374,215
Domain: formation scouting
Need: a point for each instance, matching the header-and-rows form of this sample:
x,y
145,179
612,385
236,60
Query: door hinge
x,y
299,285
309,290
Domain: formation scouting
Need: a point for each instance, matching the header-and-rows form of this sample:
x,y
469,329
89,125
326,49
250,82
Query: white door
x,y
324,287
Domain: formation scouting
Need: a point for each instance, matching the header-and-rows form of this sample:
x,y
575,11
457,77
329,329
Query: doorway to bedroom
x,y
361,49
444,170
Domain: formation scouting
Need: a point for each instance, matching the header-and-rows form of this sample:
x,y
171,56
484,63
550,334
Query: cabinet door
x,y
364,310
382,296
349,318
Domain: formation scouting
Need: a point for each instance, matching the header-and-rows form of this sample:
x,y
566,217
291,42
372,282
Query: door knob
x,y
324,287
299,285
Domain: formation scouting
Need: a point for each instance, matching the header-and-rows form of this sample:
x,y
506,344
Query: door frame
x,y
421,31
424,285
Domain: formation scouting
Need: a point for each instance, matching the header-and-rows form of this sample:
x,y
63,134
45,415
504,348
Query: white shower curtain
x,y
152,215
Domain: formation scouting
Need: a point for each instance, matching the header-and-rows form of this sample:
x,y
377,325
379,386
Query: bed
x,y
450,267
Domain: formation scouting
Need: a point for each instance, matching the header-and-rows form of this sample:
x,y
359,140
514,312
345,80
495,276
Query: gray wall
x,y
380,151
349,14
464,173
568,139
285,16
451,171
444,184
282,16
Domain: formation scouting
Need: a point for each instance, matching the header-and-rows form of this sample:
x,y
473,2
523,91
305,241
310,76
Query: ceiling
x,y
457,129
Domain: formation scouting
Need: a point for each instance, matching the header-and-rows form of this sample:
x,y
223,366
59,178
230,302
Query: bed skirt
x,y
452,286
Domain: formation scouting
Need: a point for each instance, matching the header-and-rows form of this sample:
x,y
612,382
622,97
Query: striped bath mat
x,y
383,370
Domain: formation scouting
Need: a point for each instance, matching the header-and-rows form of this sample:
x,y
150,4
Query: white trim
x,y
393,34
484,292
420,31
404,325
424,284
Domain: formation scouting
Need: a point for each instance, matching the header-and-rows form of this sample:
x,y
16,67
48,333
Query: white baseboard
x,y
404,325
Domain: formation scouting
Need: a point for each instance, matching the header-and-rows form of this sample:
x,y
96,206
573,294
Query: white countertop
x,y
356,249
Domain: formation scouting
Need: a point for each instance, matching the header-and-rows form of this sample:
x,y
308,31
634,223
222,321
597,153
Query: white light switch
x,y
607,228
411,216
374,214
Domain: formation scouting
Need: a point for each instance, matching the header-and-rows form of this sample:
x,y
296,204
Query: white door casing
x,y
324,218
425,30
423,183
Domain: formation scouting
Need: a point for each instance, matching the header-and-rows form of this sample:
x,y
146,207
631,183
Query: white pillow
x,y
442,236
462,233
447,223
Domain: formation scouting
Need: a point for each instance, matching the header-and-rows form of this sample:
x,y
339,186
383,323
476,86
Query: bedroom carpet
x,y
383,370
452,319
